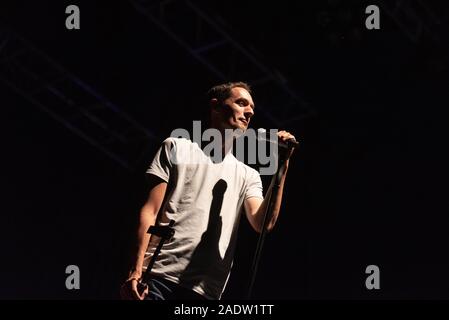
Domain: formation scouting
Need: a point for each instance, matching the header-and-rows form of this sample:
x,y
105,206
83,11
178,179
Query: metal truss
x,y
71,101
417,20
205,38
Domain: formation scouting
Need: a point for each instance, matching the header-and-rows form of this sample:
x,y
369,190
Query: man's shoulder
x,y
184,150
172,141
253,172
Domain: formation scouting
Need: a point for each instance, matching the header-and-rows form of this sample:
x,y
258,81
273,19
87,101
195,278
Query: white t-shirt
x,y
205,199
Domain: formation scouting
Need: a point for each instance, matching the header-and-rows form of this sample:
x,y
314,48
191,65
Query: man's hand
x,y
284,136
131,290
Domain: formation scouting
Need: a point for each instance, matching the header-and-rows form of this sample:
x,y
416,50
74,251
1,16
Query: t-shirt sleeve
x,y
254,185
162,164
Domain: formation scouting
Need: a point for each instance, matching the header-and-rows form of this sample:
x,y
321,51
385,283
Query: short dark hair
x,y
223,91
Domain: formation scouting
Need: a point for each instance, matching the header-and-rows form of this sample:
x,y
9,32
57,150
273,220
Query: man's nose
x,y
249,112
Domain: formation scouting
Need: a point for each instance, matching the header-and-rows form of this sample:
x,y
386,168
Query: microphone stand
x,y
276,180
165,233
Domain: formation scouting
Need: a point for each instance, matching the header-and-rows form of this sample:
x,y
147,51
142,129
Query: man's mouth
x,y
244,121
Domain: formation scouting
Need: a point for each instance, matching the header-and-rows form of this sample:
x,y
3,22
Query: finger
x,y
281,135
145,293
286,137
285,134
134,292
142,289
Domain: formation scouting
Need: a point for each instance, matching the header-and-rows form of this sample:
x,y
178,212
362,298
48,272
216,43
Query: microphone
x,y
289,144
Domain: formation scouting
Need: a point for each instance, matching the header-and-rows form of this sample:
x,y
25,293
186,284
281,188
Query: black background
x,y
367,186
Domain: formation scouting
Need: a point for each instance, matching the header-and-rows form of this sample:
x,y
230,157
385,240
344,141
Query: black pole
x,y
165,233
276,181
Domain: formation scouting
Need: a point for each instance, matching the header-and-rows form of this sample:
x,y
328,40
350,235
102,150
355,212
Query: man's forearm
x,y
277,202
147,219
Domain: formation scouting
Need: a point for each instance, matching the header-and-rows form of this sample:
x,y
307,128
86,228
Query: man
x,y
205,199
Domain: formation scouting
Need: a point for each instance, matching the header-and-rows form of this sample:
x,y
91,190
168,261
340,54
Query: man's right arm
x,y
147,218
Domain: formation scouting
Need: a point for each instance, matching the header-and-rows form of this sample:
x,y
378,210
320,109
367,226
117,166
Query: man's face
x,y
237,110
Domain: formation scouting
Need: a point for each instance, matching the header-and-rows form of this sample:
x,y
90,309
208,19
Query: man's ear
x,y
214,104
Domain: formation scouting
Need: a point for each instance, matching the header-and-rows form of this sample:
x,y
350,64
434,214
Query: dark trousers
x,y
162,289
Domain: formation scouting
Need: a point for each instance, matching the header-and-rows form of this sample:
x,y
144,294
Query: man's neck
x,y
226,141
